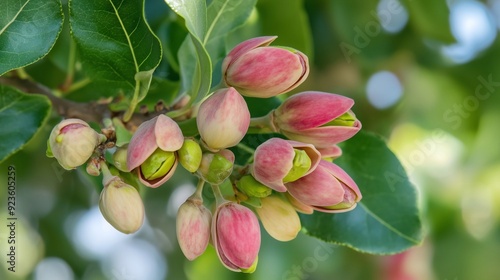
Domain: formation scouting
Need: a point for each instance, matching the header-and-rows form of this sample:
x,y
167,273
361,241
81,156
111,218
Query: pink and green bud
x,y
236,237
72,142
190,155
152,150
223,119
257,70
251,187
279,161
216,167
279,218
121,205
320,118
193,228
327,189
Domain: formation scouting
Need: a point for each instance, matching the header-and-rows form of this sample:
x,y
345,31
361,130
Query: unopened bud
x,y
72,143
190,155
122,206
279,218
252,187
193,228
120,158
215,168
94,167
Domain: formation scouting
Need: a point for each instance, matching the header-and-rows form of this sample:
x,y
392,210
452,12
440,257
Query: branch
x,y
89,112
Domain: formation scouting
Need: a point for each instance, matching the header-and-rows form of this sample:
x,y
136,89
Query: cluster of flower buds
x,y
286,175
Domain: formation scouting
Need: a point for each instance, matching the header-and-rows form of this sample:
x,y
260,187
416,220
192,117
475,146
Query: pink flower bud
x,y
193,228
320,118
72,142
327,189
276,159
257,70
236,236
160,137
223,119
121,205
279,218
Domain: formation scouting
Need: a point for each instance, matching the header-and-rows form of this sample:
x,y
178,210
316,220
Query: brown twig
x,y
89,112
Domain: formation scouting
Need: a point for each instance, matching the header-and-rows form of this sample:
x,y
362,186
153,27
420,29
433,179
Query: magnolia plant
x,y
292,165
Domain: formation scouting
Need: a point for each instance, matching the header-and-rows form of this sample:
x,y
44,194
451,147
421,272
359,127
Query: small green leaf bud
x,y
190,155
120,158
252,187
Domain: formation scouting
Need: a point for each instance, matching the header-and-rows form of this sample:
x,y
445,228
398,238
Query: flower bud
x,y
236,236
299,206
152,150
248,185
279,218
277,161
215,168
223,119
320,118
190,155
121,205
72,142
257,70
120,158
327,189
94,167
193,228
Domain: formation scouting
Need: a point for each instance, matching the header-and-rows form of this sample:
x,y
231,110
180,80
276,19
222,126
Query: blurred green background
x,y
424,74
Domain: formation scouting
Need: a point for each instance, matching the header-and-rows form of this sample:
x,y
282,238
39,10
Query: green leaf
x,y
116,42
200,52
194,12
224,16
288,20
21,117
387,218
431,19
28,30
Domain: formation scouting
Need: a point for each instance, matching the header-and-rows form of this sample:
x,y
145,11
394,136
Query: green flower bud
x,y
190,155
301,165
215,168
158,164
252,187
120,158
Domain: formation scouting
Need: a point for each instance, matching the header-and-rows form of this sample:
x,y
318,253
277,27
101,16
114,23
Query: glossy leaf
x,y
291,25
28,30
116,42
21,117
200,52
387,219
224,16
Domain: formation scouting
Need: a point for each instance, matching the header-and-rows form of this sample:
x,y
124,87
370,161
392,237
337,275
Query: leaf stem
x,y
71,68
